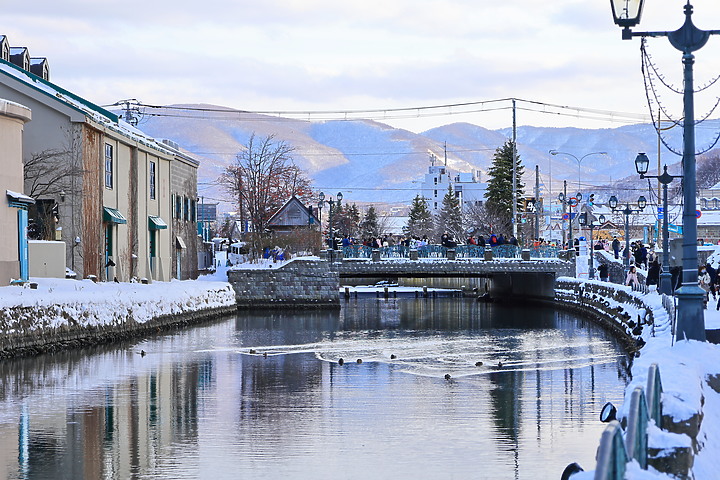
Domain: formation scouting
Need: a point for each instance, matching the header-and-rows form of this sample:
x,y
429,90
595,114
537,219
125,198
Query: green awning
x,y
110,215
156,223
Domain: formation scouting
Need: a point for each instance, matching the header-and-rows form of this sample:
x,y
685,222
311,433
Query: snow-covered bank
x,y
62,310
690,373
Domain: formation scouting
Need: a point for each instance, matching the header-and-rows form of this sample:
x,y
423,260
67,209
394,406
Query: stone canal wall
x,y
619,309
45,320
298,284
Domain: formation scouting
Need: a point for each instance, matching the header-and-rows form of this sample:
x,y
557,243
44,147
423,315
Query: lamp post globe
x,y
613,202
626,13
642,163
642,202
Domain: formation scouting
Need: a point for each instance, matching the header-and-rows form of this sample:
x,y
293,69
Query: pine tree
x,y
449,219
499,195
369,227
420,221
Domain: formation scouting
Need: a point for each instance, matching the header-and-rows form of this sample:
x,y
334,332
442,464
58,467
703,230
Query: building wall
x,y
12,120
183,183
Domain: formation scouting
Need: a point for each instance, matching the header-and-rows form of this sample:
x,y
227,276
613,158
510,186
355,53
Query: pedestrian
x,y
713,278
632,278
604,271
704,282
616,247
653,276
481,241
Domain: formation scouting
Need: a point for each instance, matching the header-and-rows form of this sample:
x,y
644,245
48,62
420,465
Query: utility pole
x,y
132,111
537,202
514,171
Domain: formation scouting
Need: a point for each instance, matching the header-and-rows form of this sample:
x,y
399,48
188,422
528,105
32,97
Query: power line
x,y
461,108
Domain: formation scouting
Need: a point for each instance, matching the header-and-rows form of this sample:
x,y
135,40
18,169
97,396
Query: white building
x,y
467,187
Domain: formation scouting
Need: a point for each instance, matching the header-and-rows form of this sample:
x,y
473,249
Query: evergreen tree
x,y
499,195
449,219
369,227
420,220
346,219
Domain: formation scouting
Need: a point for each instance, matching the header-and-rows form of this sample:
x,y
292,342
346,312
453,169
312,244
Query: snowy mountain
x,y
372,162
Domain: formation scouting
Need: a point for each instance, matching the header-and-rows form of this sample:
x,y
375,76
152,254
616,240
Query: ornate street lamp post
x,y
331,229
642,163
686,39
627,211
587,219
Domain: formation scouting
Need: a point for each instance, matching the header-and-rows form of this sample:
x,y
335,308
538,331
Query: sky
x,y
318,55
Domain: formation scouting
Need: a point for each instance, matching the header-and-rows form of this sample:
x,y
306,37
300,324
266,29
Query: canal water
x,y
263,395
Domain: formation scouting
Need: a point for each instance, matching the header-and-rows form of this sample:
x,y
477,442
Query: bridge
x,y
525,277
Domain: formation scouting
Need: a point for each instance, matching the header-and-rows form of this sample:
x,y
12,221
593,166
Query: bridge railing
x,y
438,251
614,453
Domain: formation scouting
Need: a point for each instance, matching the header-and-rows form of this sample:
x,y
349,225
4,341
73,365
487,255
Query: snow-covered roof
x,y
91,111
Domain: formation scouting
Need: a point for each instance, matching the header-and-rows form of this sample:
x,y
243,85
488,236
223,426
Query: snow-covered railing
x,y
614,453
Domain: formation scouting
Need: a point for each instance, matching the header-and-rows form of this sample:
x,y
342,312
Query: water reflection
x,y
522,399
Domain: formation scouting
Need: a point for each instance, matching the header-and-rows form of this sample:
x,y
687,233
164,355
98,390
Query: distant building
x,y
467,187
207,212
291,216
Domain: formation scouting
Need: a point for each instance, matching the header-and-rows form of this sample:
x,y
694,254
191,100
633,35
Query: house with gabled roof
x,y
106,184
291,216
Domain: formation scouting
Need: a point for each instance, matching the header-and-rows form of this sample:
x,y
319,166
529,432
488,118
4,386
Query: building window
x,y
193,210
108,165
186,209
178,207
152,180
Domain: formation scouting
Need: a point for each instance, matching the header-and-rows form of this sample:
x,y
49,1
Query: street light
x,y
686,39
642,163
578,160
565,201
332,204
627,211
587,219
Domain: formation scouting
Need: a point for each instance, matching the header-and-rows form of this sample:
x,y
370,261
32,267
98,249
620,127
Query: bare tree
x,y
262,178
51,175
486,219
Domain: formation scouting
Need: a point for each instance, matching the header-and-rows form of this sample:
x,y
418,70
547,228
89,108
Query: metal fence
x,y
438,251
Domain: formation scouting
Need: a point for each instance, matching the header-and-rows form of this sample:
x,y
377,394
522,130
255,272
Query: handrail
x,y
614,453
654,394
636,437
611,456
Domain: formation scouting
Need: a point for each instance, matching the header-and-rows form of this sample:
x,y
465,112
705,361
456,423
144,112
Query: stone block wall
x,y
300,283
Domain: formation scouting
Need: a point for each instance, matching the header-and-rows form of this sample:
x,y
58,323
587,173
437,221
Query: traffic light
x,y
591,199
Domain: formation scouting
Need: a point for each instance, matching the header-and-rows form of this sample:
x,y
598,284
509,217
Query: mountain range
x,y
373,162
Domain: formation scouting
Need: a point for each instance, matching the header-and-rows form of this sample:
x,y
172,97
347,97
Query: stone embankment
x,y
298,284
57,317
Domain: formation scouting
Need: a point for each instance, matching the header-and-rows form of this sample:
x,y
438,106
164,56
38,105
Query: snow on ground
x,y
105,303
